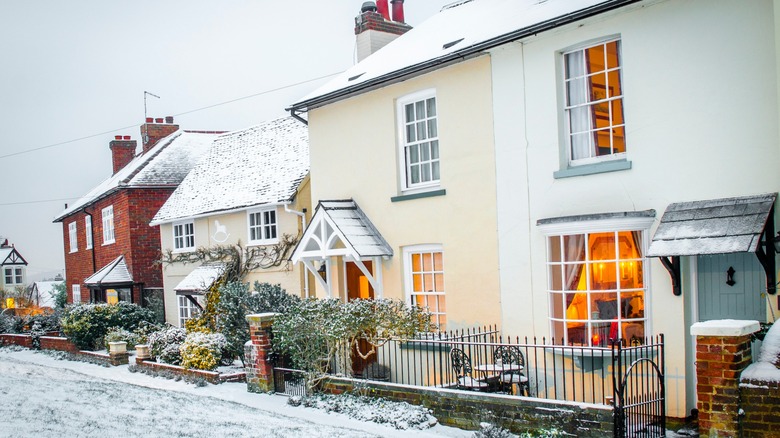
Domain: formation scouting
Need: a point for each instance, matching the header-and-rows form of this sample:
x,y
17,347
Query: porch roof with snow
x,y
264,164
340,228
718,226
113,274
200,279
164,165
460,31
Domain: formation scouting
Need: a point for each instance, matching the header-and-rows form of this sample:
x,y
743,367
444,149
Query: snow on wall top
x,y
166,164
115,272
263,164
767,368
453,30
718,226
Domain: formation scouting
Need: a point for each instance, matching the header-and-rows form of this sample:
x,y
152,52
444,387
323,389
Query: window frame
x,y
404,183
615,225
88,232
13,275
73,237
107,219
597,163
263,226
187,239
75,293
409,272
190,309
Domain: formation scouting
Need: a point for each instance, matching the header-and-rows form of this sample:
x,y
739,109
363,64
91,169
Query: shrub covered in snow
x,y
400,415
117,334
87,324
10,323
164,344
202,351
237,301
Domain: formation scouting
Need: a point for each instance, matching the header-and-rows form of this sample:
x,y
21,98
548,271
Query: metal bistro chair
x,y
461,365
509,355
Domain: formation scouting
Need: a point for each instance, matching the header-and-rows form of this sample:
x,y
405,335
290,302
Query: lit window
x,y
184,236
108,225
262,226
187,310
88,231
76,293
424,267
419,141
73,237
594,103
597,287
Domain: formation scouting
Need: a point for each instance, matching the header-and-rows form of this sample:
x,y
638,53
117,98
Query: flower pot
x,y
142,352
117,347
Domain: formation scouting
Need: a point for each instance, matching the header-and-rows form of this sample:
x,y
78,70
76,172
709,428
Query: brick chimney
x,y
122,151
156,129
374,29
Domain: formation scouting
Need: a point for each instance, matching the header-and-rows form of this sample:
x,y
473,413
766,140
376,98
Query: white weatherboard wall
x,y
700,87
354,154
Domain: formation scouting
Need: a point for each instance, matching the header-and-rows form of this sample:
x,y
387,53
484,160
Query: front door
x,y
358,287
741,295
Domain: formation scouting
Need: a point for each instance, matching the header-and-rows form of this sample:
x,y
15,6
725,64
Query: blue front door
x,y
745,299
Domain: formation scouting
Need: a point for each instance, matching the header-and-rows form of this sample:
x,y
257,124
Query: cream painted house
x,y
598,167
252,190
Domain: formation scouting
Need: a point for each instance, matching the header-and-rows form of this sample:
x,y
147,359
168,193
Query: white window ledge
x,y
590,169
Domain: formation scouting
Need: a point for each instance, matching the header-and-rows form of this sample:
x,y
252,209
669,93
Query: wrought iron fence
x,y
483,360
290,382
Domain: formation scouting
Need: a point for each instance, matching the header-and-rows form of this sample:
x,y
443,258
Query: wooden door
x,y
358,287
744,299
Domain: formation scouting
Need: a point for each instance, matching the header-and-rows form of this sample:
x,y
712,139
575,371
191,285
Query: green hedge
x,y
87,324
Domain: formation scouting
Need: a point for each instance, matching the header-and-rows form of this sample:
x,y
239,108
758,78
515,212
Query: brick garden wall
x,y
761,407
467,410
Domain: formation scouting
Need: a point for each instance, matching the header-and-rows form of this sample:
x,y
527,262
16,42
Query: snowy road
x,y
44,397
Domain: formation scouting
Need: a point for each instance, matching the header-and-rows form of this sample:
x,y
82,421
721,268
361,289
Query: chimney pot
x,y
126,137
117,137
158,120
381,7
169,119
368,7
398,10
149,120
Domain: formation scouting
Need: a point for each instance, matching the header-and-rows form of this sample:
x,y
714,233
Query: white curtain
x,y
580,122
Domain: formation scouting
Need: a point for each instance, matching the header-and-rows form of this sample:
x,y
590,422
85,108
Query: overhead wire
x,y
175,115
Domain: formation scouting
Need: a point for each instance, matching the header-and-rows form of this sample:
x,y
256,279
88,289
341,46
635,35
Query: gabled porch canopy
x,y
113,274
718,226
340,228
200,279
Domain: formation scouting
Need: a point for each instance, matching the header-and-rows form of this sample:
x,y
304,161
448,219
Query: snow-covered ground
x,y
45,397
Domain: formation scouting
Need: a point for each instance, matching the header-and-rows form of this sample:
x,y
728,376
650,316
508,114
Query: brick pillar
x,y
259,369
722,353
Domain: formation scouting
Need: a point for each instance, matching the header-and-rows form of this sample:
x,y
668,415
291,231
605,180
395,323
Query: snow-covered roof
x,y
340,228
454,34
45,291
719,226
114,273
164,165
200,279
263,164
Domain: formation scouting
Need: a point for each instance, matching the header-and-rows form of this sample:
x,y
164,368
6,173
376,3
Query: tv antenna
x,y
150,94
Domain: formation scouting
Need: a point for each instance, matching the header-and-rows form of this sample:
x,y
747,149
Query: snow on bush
x,y
86,324
118,334
400,415
164,344
202,351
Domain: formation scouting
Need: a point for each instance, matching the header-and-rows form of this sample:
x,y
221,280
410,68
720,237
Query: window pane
x,y
432,131
574,248
438,285
421,131
417,285
576,91
409,113
618,140
431,107
426,173
554,249
580,119
602,246
411,134
556,277
598,87
416,262
414,154
574,64
613,54
427,262
419,110
435,171
575,277
595,58
603,276
425,151
415,177
614,83
435,150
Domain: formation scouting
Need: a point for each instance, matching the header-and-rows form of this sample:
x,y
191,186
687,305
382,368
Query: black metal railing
x,y
483,360
290,382
640,391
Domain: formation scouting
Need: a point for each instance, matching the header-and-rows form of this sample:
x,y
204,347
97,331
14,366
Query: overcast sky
x,y
78,69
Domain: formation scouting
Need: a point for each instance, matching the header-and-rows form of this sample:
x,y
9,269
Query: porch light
x,y
323,272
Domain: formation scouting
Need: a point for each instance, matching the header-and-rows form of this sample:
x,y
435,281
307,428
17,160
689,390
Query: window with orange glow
x,y
597,287
594,103
425,282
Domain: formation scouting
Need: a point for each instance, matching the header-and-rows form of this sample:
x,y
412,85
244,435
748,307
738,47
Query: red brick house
x,y
110,249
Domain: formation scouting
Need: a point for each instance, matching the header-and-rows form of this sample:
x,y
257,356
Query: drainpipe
x,y
302,214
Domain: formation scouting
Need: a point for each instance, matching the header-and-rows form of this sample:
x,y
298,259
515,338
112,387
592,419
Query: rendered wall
x,y
701,113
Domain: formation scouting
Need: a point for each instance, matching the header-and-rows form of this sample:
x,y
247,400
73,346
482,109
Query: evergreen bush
x,y
202,351
117,334
164,344
86,324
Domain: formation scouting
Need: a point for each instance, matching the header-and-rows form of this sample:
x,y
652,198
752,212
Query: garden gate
x,y
639,390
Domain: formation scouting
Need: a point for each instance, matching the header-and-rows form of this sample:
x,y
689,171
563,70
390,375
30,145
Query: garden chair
x,y
509,355
461,366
